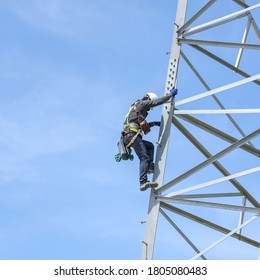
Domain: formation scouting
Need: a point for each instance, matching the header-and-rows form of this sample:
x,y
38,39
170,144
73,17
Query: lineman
x,y
135,125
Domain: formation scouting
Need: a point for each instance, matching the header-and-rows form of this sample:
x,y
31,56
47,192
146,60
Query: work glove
x,y
118,157
173,92
151,124
157,123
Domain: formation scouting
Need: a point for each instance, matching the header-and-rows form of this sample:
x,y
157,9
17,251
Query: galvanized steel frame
x,y
161,201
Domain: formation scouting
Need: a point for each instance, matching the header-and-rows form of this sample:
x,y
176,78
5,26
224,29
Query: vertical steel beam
x,y
242,214
240,52
164,135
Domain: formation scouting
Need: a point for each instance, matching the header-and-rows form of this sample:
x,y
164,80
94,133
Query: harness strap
x,y
133,139
127,115
130,126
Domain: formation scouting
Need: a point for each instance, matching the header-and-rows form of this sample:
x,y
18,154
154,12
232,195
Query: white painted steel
x,y
219,44
219,21
158,199
223,111
164,136
215,205
197,15
225,237
208,161
184,236
213,182
240,52
217,90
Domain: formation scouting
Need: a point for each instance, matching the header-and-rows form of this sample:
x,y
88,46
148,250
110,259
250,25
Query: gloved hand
x,y
151,124
173,92
118,157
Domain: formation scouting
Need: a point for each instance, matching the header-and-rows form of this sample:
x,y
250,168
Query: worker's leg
x,y
141,152
150,151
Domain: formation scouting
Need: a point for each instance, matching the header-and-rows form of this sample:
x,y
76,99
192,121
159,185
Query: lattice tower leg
x,y
164,136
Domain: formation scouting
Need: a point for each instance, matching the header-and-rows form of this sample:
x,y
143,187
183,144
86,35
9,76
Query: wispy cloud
x,y
51,117
68,17
61,17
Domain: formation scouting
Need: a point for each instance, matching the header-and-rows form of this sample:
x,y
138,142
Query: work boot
x,y
150,168
144,186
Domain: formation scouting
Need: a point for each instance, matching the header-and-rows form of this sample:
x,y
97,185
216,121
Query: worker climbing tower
x,y
207,204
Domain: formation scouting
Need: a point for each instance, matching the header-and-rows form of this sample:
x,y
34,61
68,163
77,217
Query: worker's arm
x,y
156,123
148,104
161,100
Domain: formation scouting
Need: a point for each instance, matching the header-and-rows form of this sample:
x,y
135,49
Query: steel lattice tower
x,y
214,127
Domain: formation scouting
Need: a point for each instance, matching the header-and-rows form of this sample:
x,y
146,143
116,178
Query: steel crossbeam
x,y
208,161
225,237
219,21
208,204
217,90
224,62
216,99
209,224
217,164
219,44
184,236
223,111
216,132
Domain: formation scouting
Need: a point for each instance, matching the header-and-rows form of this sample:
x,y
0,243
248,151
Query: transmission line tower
x,y
208,176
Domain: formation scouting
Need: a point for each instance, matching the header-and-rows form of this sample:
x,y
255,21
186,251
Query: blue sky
x,y
69,71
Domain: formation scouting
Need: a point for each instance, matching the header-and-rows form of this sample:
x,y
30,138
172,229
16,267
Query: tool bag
x,y
125,153
143,123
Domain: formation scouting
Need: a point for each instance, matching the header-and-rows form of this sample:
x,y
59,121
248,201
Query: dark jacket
x,y
143,106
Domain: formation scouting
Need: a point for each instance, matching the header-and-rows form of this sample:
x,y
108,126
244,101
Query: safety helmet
x,y
151,96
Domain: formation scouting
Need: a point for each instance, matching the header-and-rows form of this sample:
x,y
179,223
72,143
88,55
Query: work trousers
x,y
145,152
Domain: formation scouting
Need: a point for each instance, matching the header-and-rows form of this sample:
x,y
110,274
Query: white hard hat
x,y
151,95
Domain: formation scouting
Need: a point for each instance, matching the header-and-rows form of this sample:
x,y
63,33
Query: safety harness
x,y
142,123
125,151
